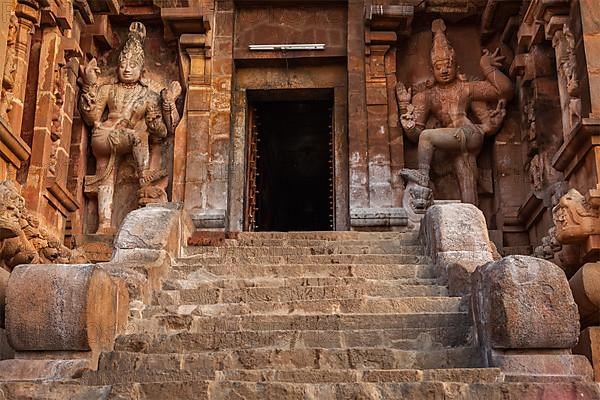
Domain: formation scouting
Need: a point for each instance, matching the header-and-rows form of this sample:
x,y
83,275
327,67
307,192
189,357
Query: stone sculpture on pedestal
x,y
137,122
453,100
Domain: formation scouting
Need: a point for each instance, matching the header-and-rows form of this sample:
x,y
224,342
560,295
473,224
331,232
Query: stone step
x,y
307,322
358,358
329,235
261,242
228,390
306,259
369,271
290,250
401,305
52,391
297,293
201,280
187,340
317,376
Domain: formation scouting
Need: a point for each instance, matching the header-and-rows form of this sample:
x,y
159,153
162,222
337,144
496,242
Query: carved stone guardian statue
x,y
135,125
453,100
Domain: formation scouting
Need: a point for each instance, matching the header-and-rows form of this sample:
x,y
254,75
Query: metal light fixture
x,y
274,47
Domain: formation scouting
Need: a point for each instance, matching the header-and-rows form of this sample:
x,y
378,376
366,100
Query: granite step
x,y
305,259
185,340
317,376
293,293
289,250
204,280
307,270
227,390
356,358
412,240
304,322
396,305
329,235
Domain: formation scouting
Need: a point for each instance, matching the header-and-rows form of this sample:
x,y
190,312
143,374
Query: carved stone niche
x,y
577,221
132,118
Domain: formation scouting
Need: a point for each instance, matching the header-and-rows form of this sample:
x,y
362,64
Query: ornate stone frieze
x,y
22,239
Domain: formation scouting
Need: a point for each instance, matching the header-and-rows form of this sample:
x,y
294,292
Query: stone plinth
x,y
378,217
526,318
98,248
585,285
589,346
456,238
64,308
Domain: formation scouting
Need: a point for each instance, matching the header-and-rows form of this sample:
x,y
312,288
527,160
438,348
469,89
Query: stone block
x,y
366,217
589,346
585,285
522,302
66,308
154,227
455,236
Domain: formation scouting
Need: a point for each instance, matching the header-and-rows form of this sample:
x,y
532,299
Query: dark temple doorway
x,y
290,165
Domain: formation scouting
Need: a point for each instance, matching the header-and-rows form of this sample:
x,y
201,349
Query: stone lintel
x,y
584,136
181,20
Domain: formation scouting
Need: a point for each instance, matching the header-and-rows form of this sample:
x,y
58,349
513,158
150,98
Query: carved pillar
x,y
45,189
376,142
357,106
28,14
13,150
194,157
201,140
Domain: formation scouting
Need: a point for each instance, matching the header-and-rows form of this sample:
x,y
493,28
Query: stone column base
x,y
378,217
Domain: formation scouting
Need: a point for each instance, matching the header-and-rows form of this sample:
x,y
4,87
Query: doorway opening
x,y
290,183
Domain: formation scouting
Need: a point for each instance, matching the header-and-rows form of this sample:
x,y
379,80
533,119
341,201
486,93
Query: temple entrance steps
x,y
307,315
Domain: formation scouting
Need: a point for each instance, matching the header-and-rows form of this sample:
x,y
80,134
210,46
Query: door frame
x,y
252,82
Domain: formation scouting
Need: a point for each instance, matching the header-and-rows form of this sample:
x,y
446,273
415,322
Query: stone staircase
x,y
315,315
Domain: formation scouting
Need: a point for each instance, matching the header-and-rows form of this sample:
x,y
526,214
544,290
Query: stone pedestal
x,y
589,346
526,318
98,248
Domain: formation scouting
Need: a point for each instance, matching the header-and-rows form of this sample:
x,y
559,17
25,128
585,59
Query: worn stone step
x,y
290,250
306,322
197,280
411,240
120,363
398,305
52,391
394,338
229,390
180,390
316,376
306,259
329,235
293,293
370,271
